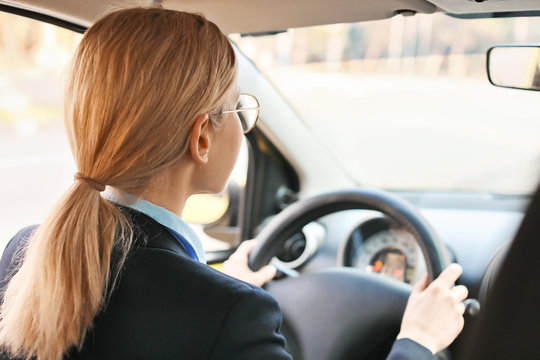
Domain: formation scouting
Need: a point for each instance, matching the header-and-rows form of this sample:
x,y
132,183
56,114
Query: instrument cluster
x,y
378,245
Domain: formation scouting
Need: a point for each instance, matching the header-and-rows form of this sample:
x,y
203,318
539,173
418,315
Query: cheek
x,y
227,151
236,135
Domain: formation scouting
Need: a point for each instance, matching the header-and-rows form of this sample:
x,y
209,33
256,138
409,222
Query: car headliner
x,y
250,16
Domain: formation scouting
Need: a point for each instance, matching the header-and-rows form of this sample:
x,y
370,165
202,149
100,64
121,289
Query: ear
x,y
199,140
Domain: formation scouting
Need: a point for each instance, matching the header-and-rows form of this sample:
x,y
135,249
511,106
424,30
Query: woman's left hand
x,y
237,266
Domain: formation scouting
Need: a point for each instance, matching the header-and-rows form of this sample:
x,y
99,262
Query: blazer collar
x,y
161,216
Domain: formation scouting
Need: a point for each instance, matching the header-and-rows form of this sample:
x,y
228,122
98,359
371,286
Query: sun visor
x,y
486,6
247,16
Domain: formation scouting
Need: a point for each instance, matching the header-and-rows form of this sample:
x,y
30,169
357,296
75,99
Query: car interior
x,y
352,192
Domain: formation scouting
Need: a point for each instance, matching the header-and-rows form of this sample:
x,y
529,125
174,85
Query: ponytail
x,y
51,301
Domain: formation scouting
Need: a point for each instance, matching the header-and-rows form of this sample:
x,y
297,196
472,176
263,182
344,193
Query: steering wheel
x,y
343,313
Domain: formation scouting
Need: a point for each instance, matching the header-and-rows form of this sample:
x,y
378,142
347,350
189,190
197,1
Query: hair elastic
x,y
89,181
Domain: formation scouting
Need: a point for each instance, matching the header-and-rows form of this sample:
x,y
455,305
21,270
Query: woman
x,y
153,112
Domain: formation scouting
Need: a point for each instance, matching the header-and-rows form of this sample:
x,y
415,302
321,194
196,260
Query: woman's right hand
x,y
434,314
237,266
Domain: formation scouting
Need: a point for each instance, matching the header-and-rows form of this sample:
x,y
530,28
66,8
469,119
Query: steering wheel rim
x,y
343,313
286,223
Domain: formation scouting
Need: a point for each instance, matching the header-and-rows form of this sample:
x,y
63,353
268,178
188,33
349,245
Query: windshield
x,y
405,103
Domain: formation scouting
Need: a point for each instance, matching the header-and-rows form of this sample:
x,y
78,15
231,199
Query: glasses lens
x,y
250,111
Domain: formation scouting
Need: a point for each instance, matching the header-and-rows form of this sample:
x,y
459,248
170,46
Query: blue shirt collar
x,y
162,216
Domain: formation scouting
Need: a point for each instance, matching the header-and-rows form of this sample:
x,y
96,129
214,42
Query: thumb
x,y
421,284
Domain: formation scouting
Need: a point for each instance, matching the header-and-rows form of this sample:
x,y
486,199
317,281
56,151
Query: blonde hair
x,y
139,79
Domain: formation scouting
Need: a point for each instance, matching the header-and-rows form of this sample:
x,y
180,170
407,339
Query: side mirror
x,y
514,66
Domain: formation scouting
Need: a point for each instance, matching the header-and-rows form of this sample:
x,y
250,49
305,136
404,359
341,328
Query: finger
x,y
459,292
461,308
245,248
265,274
448,276
421,284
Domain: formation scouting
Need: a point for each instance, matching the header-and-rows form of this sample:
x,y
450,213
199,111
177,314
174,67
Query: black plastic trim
x,y
268,171
44,18
263,33
506,14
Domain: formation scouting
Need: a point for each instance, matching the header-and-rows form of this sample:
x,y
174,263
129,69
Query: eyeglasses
x,y
248,111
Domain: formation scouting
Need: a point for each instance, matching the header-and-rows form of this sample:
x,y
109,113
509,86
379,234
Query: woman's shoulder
x,y
159,255
179,305
13,253
159,266
19,240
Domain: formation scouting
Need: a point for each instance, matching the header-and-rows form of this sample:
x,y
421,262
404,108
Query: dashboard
x,y
473,227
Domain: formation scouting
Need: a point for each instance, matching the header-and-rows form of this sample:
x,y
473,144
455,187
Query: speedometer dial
x,y
393,253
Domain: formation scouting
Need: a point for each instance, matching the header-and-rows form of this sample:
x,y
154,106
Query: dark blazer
x,y
168,306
